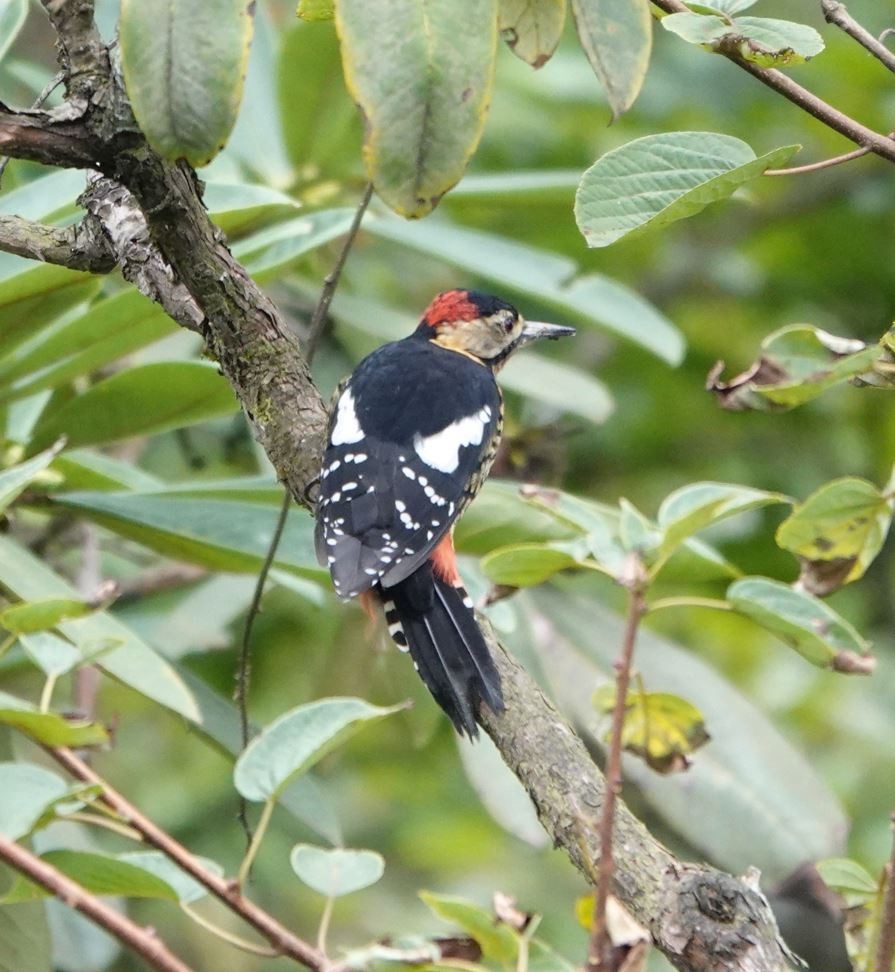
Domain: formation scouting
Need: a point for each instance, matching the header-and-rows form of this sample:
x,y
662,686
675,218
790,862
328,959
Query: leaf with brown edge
x,y
661,728
421,72
797,363
532,28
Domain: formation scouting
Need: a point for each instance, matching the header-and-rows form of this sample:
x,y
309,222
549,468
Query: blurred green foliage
x,y
157,486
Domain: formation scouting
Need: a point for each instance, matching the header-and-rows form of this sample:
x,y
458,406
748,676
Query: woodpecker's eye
x,y
508,324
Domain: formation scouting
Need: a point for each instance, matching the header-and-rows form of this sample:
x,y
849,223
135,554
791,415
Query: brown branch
x,y
836,13
803,98
79,247
143,941
283,940
885,945
600,950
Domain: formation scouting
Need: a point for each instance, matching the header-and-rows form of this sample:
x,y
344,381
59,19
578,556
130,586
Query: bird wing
x,y
408,438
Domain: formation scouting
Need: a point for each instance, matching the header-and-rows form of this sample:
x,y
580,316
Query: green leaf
x,y
500,791
12,19
545,276
655,180
661,728
498,942
26,793
110,329
26,939
316,10
847,877
144,400
235,206
694,507
533,186
34,298
268,252
729,7
184,65
804,622
53,655
527,564
43,198
96,873
797,364
85,469
532,28
15,479
212,532
45,613
52,729
768,43
335,871
617,38
421,74
837,532
638,534
297,740
186,889
133,662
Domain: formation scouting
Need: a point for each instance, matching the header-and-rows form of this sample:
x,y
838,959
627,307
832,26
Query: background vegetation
x,y
169,496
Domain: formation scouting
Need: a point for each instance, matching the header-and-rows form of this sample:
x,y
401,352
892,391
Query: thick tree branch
x,y
79,247
267,926
777,81
143,941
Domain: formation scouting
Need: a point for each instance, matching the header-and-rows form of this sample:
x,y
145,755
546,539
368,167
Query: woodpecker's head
x,y
483,326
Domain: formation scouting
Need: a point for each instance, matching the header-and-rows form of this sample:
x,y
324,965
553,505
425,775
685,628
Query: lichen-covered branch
x,y
79,247
702,919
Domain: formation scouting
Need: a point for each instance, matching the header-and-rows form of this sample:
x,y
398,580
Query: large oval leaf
x,y
658,179
294,742
184,66
617,38
421,72
26,793
335,871
12,18
140,401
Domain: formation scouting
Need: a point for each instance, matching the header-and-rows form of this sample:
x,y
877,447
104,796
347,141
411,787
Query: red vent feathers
x,y
449,307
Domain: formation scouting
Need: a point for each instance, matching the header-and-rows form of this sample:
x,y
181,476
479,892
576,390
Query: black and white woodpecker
x,y
411,440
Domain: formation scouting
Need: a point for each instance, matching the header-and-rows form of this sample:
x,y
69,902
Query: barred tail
x,y
434,620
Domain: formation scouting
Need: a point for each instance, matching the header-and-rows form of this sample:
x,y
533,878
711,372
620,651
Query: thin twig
x,y
803,98
143,941
331,281
599,951
244,664
226,936
885,944
836,13
283,940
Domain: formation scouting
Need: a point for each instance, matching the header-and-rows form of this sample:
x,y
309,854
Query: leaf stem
x,y
94,820
46,695
246,866
323,929
885,944
599,950
663,603
241,943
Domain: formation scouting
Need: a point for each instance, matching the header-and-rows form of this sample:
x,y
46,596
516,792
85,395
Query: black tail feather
x,y
447,647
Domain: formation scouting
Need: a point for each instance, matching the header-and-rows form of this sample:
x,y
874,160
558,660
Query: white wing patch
x,y
441,450
347,428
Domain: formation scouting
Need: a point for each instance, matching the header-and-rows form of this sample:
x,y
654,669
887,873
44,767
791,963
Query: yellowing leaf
x,y
421,73
663,729
532,28
837,532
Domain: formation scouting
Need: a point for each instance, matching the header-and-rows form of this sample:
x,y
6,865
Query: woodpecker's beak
x,y
536,330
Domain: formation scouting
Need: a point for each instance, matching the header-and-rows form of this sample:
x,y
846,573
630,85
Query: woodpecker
x,y
412,437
